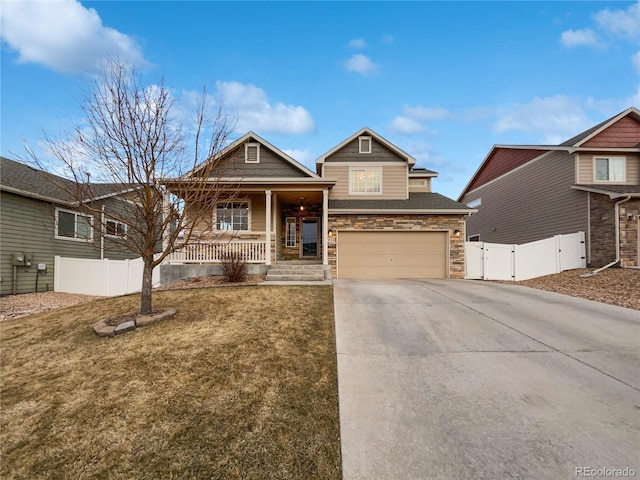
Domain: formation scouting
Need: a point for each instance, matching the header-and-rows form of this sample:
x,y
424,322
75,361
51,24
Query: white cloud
x,y
64,36
413,118
574,38
555,118
361,64
407,126
253,111
357,43
621,23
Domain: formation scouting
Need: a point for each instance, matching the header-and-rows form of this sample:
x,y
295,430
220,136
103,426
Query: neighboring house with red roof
x,y
39,219
589,183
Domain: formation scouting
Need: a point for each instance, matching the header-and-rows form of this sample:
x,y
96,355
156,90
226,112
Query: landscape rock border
x,y
104,329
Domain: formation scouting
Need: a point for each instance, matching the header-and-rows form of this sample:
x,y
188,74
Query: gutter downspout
x,y
102,232
617,214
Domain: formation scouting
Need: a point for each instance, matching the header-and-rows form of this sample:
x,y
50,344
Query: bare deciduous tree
x,y
130,141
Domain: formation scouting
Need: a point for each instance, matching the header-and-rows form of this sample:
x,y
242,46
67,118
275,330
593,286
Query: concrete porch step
x,y
293,271
294,278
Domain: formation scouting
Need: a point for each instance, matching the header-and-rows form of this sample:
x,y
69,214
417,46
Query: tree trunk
x,y
145,294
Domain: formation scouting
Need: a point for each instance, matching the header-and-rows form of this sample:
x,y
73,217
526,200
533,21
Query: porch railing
x,y
252,251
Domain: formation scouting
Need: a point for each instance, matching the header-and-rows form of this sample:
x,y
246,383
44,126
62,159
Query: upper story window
x,y
113,228
72,225
232,216
474,203
417,182
251,153
609,169
364,144
365,180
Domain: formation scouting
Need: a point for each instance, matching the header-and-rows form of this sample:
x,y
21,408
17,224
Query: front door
x,y
309,244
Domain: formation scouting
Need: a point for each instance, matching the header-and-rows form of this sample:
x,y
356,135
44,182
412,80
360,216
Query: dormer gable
x,y
251,156
365,146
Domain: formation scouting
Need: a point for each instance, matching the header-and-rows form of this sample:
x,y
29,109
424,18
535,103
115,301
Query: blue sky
x,y
444,81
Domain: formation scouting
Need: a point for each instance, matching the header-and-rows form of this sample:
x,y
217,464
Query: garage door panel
x,y
392,254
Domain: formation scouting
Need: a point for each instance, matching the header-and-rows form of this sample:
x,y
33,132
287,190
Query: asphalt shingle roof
x,y
37,183
416,201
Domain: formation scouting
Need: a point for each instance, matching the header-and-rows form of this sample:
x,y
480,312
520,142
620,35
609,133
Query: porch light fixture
x,y
330,232
302,204
456,233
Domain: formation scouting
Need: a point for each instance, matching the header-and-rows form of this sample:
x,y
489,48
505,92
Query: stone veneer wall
x,y
629,232
603,231
405,222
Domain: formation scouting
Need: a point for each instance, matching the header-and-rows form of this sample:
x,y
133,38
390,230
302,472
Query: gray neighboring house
x,y
589,183
38,221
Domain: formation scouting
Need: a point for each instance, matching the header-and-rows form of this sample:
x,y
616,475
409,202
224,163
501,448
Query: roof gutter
x,y
24,193
617,217
418,211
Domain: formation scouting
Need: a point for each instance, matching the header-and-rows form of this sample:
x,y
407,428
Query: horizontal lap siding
x,y
270,165
529,204
394,182
257,213
28,226
585,166
379,153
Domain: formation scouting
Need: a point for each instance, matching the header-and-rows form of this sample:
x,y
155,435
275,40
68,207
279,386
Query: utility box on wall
x,y
21,259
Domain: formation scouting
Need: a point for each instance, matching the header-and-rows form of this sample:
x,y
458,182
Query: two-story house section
x,y
384,221
589,183
367,212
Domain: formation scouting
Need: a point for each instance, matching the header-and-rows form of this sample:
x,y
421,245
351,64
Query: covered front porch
x,y
264,226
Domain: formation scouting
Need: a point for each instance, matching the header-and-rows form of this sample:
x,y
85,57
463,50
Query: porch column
x,y
268,227
325,227
166,211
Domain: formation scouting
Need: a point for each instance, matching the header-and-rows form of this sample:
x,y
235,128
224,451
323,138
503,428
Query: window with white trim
x,y
290,232
474,203
251,153
72,225
114,228
232,216
364,144
609,169
417,182
365,180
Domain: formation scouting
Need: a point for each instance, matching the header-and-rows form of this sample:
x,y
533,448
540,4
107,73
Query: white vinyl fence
x,y
495,261
105,278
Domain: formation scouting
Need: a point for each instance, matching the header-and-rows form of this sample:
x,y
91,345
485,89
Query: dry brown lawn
x,y
241,383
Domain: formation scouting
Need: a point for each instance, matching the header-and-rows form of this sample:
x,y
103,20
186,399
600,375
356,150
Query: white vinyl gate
x,y
495,261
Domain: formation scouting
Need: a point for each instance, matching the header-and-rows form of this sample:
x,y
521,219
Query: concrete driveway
x,y
454,379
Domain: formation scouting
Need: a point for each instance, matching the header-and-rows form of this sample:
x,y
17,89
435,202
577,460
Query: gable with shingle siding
x,y
625,133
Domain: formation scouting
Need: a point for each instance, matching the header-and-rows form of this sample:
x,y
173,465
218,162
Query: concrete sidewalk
x,y
453,379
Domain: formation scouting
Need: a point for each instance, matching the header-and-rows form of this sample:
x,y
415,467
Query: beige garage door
x,y
375,254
